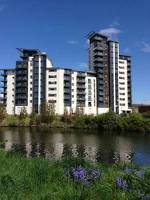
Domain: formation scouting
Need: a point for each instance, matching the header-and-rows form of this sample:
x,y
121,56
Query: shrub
x,y
12,120
108,121
2,112
47,114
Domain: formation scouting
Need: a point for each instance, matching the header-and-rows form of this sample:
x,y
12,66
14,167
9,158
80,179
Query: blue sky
x,y
60,27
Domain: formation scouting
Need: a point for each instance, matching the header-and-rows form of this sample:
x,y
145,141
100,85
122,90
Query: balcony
x,y
80,80
80,86
81,75
81,92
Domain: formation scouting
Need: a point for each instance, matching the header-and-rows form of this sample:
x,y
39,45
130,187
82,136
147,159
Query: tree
x,y
47,113
2,112
22,116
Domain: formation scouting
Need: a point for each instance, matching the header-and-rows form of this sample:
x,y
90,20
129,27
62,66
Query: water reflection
x,y
92,145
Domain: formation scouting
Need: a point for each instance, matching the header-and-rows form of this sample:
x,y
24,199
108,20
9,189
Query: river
x,y
93,145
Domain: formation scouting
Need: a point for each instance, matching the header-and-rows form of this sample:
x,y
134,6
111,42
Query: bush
x,y
2,112
34,119
12,120
109,121
47,114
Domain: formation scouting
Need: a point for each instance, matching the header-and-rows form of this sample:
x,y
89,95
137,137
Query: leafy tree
x,y
34,119
2,112
47,114
23,116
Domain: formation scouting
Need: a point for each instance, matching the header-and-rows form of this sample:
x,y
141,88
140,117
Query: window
x,y
52,101
52,82
122,104
52,88
89,104
52,95
121,78
89,81
52,76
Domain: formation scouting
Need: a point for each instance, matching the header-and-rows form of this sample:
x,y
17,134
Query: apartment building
x,y
30,85
99,63
113,73
71,91
35,80
8,89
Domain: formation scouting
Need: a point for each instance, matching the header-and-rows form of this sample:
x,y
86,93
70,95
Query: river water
x,y
93,145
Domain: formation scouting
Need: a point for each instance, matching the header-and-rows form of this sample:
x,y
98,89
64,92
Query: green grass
x,y
22,178
134,122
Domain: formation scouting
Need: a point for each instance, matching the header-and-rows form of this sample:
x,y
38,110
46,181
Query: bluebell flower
x,y
86,177
121,183
140,174
79,173
95,173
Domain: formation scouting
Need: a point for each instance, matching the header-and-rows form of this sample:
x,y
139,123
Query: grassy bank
x,y
70,179
109,121
134,122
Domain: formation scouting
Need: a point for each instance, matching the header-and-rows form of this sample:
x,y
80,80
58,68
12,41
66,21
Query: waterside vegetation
x,y
133,122
71,178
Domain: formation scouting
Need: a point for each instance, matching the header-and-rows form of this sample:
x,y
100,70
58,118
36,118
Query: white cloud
x,y
73,42
110,32
145,47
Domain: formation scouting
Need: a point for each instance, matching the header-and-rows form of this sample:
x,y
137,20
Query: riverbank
x,y
107,122
39,179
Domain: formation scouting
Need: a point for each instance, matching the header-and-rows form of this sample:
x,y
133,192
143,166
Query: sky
x,y
60,28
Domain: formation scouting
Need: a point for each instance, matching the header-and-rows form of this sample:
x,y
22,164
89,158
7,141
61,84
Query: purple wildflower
x,y
79,173
121,183
140,174
95,173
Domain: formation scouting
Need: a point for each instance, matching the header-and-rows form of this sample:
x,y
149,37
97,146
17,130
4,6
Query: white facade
x,y
118,80
35,81
123,87
36,64
56,91
9,91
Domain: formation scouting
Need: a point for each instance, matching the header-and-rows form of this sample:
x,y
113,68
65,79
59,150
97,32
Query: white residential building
x,y
8,92
35,80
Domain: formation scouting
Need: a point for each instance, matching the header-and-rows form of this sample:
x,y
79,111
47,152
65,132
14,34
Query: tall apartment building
x,y
107,84
71,90
8,89
113,73
30,85
99,63
36,81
